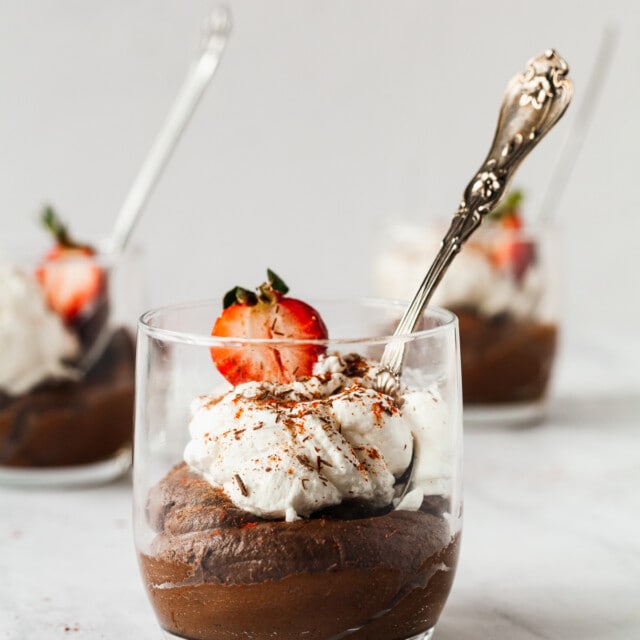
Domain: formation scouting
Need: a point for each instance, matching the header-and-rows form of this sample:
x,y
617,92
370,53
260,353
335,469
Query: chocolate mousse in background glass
x,y
503,286
67,369
312,508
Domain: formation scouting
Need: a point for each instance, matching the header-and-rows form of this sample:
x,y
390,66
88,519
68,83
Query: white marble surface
x,y
551,545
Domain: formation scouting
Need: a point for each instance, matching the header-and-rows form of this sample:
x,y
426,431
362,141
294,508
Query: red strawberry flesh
x,y
274,317
70,276
71,283
510,251
513,254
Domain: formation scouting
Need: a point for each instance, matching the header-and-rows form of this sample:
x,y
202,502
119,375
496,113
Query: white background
x,y
325,119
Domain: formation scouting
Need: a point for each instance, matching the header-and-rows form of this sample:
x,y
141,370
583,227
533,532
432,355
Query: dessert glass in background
x,y
315,508
503,286
67,372
67,325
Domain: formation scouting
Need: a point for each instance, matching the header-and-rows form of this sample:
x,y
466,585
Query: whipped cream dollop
x,y
34,342
472,280
288,450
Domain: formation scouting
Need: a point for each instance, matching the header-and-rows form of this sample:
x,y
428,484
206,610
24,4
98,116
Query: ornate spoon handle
x,y
532,104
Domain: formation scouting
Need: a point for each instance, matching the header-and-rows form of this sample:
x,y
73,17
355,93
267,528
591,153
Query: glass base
x,y
425,635
81,475
505,415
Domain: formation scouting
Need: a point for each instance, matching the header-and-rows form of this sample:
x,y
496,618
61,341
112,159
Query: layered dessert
x,y
500,290
308,504
66,375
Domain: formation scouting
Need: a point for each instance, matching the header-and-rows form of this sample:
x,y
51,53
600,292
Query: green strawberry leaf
x,y
511,204
239,295
277,283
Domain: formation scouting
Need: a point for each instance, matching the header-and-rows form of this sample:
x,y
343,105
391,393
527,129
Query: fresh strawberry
x,y
509,250
512,221
69,275
513,254
267,314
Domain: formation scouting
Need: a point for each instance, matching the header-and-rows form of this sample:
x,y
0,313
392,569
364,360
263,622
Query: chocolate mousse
x,y
504,359
68,422
214,571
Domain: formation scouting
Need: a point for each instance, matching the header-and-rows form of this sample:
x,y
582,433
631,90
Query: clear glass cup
x,y
503,286
66,382
274,528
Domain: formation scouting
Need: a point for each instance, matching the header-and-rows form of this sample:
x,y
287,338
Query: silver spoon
x,y
217,30
532,104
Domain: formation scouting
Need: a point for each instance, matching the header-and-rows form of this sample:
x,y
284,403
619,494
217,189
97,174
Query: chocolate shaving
x,y
243,489
356,366
305,462
321,461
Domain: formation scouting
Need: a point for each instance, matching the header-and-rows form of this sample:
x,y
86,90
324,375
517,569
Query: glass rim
x,y
448,318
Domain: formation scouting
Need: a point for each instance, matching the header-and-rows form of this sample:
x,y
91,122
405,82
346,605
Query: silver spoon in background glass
x,y
532,104
216,34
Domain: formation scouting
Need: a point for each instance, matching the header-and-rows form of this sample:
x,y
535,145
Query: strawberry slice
x,y
71,278
511,221
267,314
509,251
513,254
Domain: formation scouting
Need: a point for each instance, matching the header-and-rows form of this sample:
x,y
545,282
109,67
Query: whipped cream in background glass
x,y
34,342
471,280
503,286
